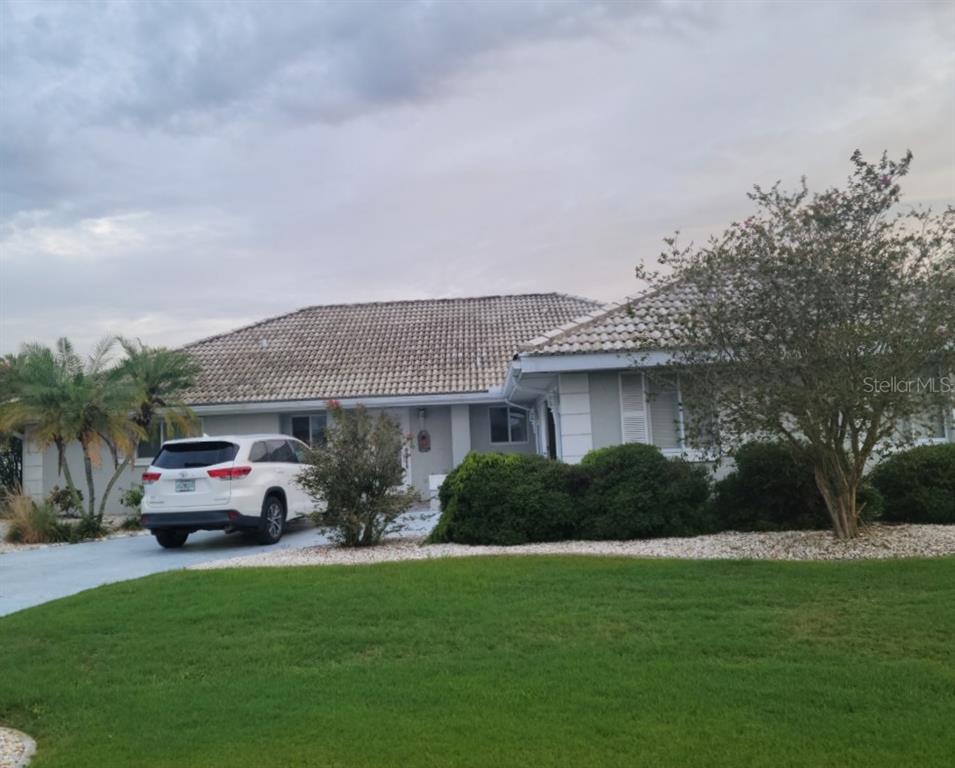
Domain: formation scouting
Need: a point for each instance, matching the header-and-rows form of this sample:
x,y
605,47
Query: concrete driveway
x,y
36,576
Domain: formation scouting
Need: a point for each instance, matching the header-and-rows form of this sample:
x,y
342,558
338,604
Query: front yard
x,y
494,662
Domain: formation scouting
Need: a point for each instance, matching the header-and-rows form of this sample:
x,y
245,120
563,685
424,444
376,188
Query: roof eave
x,y
593,361
378,401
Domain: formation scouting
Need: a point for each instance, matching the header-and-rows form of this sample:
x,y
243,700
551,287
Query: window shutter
x,y
633,408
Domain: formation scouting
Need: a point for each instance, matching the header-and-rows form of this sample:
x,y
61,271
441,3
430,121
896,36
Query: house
x,y
546,373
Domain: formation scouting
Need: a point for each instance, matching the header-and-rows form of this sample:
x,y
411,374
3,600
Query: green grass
x,y
494,662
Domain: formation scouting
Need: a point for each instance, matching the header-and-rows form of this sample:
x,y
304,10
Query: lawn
x,y
494,662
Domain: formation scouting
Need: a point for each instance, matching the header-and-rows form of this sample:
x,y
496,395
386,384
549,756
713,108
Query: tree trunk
x,y
91,488
839,493
109,486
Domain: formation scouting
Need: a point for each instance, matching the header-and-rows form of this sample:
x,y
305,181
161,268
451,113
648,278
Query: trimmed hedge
x,y
918,485
623,492
634,492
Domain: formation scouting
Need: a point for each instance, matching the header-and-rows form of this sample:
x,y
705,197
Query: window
x,y
309,429
203,453
300,451
158,434
280,451
259,452
508,425
277,451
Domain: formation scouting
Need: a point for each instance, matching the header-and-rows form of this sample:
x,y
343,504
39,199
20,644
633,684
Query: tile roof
x,y
655,320
434,346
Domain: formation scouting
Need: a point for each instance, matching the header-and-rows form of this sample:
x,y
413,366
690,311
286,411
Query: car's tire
x,y
273,520
171,538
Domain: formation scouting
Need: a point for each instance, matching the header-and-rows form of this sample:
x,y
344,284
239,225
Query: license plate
x,y
185,485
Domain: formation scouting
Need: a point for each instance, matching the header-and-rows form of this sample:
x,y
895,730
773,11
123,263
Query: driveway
x,y
38,575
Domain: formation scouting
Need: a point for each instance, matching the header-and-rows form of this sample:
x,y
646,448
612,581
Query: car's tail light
x,y
151,477
230,473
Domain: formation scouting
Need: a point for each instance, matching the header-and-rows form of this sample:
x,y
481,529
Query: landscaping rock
x,y
16,748
875,542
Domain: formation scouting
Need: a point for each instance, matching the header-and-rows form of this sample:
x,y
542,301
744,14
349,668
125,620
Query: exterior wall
x,y
240,424
460,433
40,474
605,408
576,430
440,459
481,434
33,461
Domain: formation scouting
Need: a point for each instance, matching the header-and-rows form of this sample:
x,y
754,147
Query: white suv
x,y
232,483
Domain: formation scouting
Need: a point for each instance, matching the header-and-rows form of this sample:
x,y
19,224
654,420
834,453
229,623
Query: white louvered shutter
x,y
633,408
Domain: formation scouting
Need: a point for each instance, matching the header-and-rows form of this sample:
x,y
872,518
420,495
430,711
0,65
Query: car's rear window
x,y
204,454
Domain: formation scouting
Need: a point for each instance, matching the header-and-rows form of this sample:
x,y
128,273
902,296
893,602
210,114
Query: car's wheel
x,y
171,538
273,520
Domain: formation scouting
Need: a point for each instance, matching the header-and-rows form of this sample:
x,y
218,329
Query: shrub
x,y
358,473
492,498
634,491
30,523
870,503
623,492
918,485
87,527
132,498
63,500
771,490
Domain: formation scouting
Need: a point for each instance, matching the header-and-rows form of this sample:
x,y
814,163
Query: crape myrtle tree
x,y
358,474
825,320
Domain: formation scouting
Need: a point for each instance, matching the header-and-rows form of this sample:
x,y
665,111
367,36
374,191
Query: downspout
x,y
511,383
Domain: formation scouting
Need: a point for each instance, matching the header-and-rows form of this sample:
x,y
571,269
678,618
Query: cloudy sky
x,y
170,170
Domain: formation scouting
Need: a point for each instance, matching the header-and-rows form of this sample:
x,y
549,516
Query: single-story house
x,y
546,373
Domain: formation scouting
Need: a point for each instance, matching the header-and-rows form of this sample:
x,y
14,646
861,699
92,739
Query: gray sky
x,y
170,170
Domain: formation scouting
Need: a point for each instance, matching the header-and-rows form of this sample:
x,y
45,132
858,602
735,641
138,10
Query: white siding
x,y
460,433
576,435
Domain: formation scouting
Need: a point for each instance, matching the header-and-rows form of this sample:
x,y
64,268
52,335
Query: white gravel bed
x,y
16,748
876,542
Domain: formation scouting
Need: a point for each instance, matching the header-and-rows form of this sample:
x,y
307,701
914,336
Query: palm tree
x,y
36,391
157,377
97,415
100,405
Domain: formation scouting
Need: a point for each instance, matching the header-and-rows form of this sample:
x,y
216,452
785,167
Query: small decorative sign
x,y
424,441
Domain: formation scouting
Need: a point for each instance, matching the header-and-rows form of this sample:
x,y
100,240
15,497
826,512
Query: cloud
x,y
87,240
168,166
76,70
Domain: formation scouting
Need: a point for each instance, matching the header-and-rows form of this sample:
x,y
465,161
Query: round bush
x,y
769,491
492,498
635,492
918,485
